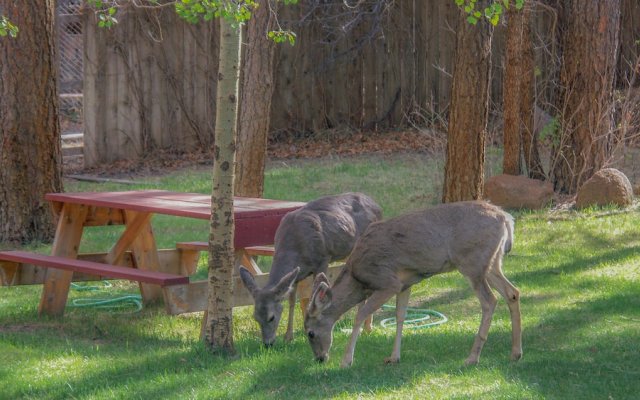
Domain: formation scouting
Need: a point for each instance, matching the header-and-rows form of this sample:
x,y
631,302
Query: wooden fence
x,y
149,81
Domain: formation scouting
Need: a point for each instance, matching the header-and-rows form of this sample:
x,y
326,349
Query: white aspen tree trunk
x,y
218,327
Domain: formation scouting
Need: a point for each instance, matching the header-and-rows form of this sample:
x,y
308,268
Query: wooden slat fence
x,y
149,81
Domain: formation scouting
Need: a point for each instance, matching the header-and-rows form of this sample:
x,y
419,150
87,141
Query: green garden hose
x,y
416,318
119,303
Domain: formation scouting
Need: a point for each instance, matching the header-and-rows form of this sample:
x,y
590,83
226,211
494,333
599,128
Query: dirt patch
x,y
281,147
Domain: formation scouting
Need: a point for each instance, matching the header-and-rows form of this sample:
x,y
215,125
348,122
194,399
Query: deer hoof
x,y
470,361
516,356
392,360
346,363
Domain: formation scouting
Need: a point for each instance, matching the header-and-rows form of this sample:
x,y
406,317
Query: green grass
x,y
578,275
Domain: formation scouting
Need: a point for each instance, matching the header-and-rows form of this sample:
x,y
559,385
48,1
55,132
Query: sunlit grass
x,y
577,272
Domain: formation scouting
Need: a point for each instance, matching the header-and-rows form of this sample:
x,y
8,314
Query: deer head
x,y
317,326
268,302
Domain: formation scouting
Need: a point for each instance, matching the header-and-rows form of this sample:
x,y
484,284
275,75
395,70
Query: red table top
x,y
256,220
193,205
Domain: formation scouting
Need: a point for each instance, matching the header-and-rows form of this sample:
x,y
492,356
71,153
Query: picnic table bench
x,y
100,270
161,273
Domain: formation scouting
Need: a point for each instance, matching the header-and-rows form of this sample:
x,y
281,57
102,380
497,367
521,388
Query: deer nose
x,y
322,358
268,345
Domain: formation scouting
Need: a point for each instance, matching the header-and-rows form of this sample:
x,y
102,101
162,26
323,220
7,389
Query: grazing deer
x,y
306,241
393,255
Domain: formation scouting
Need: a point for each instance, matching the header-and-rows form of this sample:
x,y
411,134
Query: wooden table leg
x,y
145,253
55,290
8,272
244,259
134,225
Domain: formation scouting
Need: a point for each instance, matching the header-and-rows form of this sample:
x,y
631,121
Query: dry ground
x,y
328,144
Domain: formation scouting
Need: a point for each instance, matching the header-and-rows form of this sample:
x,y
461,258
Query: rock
x,y
607,186
510,191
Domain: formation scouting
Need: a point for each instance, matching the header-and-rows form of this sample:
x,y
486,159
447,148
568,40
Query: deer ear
x,y
320,300
249,281
320,278
286,283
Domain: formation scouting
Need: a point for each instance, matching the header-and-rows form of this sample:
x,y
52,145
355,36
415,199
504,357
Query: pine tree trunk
x,y
219,321
255,104
464,168
519,105
586,91
30,158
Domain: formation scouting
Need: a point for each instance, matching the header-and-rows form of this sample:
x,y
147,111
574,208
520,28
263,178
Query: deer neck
x,y
347,293
283,263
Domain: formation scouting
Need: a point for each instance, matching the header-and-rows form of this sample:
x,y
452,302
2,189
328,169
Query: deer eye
x,y
272,318
311,334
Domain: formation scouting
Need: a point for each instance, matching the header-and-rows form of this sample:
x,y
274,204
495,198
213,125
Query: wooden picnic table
x,y
256,221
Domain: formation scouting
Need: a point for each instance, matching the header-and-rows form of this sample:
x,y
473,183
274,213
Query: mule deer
x,y
306,241
392,255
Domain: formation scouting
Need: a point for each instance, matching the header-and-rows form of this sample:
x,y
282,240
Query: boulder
x,y
607,186
511,191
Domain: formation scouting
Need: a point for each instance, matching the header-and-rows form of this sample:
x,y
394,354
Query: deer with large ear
x,y
395,254
323,231
270,301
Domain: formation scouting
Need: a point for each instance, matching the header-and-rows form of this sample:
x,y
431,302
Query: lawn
x,y
577,272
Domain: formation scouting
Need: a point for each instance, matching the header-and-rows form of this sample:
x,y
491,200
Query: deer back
x,y
408,248
322,231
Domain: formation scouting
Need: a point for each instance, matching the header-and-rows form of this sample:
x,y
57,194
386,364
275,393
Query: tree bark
x,y
30,158
219,320
519,103
586,91
257,84
464,168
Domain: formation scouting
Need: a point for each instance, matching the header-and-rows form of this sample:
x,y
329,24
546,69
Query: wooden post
x,y
67,240
145,252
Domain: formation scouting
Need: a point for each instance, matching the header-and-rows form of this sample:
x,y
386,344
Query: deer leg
x,y
304,304
367,322
402,301
488,303
510,293
375,301
288,336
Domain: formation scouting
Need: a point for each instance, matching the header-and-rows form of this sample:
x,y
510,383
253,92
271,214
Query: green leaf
x,y
459,2
537,71
472,20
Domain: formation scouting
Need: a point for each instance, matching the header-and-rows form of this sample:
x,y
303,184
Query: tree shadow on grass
x,y
549,274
